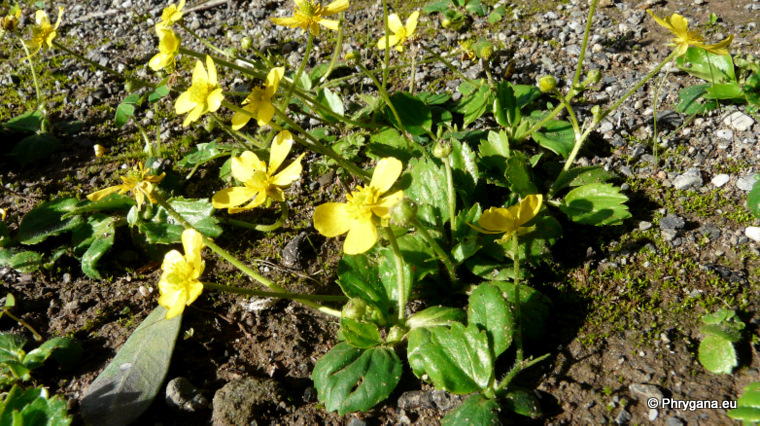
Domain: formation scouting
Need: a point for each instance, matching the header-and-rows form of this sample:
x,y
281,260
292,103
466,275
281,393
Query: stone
x,y
292,252
644,225
739,121
671,222
240,401
653,414
720,180
181,395
623,417
753,233
643,391
674,421
725,134
692,178
747,182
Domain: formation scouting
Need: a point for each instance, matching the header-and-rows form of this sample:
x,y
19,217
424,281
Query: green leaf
x,y
332,101
580,176
417,254
707,66
389,143
24,262
488,309
495,17
596,204
505,109
535,307
359,277
491,269
725,91
753,199
158,93
519,176
458,360
524,403
33,407
428,190
717,354
748,405
476,7
128,385
98,243
435,316
68,352
433,98
35,148
717,317
475,100
11,347
360,334
689,100
464,169
724,331
161,228
475,410
436,6
28,122
117,202
350,379
494,151
46,221
415,115
202,153
557,136
126,109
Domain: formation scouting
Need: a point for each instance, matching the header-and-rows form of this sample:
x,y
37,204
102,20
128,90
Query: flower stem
x,y
518,313
37,336
235,262
450,194
386,58
336,52
579,67
279,295
297,77
34,74
261,228
204,41
401,277
447,261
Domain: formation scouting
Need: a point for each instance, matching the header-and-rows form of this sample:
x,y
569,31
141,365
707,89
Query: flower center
x,y
258,94
309,8
259,181
199,92
360,203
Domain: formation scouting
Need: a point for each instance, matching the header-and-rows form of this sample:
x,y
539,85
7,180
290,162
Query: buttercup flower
x,y
170,15
179,285
259,102
9,22
678,25
308,15
43,33
400,32
508,221
203,96
261,182
168,45
137,180
356,216
3,214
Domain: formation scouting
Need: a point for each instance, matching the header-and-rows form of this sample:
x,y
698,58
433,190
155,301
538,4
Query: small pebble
x,y
753,233
725,134
720,180
739,121
690,179
747,182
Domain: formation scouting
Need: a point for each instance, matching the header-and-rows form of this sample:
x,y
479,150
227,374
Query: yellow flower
x,y
170,15
357,214
43,33
308,15
508,221
203,96
9,22
179,285
400,32
261,182
168,45
678,25
3,214
137,180
259,102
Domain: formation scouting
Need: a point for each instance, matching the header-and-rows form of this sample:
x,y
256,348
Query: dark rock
x,y
240,401
623,417
671,222
183,396
292,252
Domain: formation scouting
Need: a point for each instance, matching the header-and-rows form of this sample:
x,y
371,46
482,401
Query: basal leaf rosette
x,y
364,208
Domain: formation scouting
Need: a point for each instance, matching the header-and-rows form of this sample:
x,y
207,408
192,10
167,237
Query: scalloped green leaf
x,y
435,316
748,405
557,136
360,334
580,176
519,176
68,352
414,114
523,402
753,199
11,347
428,190
464,169
33,407
707,66
596,204
475,410
535,308
28,122
161,228
351,379
717,354
475,100
359,277
490,310
35,148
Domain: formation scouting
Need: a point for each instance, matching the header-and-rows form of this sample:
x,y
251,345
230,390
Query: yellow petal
x,y
252,161
192,242
382,209
232,197
679,25
215,99
529,208
314,28
481,230
411,22
158,62
259,200
194,290
386,172
361,237
497,220
41,18
173,261
659,21
332,219
394,23
280,148
184,103
273,80
392,40
289,174
199,74
265,113
330,24
720,48
173,301
211,71
103,193
194,115
335,7
239,120
289,21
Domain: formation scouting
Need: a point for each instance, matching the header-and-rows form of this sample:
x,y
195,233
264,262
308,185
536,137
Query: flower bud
x,y
483,49
246,43
596,110
547,83
593,77
354,309
209,125
352,56
446,23
404,212
395,334
442,150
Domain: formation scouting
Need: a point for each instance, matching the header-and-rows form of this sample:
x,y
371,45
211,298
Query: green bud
x,y
483,49
209,125
354,309
442,149
593,77
404,212
246,43
547,83
128,86
352,56
395,334
596,110
446,23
